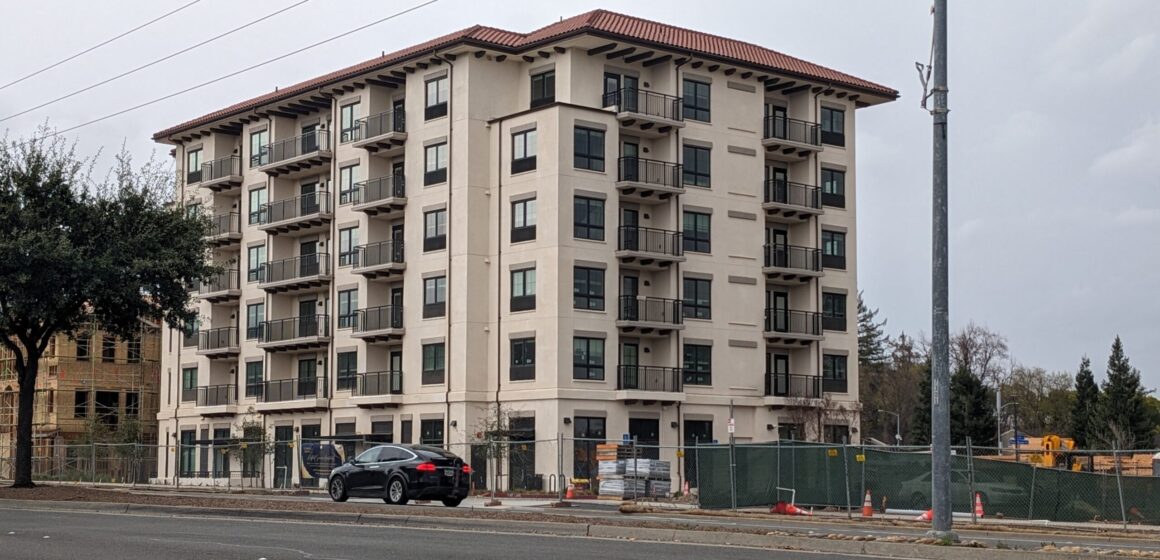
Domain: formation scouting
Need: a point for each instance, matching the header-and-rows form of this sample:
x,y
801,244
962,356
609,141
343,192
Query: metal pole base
x,y
947,537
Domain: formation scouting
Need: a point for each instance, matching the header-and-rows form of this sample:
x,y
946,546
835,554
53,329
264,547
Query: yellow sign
x,y
860,458
832,452
680,453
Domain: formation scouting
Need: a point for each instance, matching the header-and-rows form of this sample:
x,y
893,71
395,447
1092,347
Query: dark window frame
x,y
438,241
254,269
523,300
694,107
433,174
345,369
833,249
348,246
347,308
833,188
254,328
524,141
696,239
438,306
592,300
584,154
698,298
583,228
835,373
523,359
348,129
593,370
436,108
696,166
697,364
523,212
834,311
833,133
259,153
543,88
434,363
254,378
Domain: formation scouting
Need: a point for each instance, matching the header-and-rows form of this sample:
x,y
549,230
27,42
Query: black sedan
x,y
398,473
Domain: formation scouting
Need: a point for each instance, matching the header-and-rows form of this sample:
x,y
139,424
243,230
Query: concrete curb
x,y
784,542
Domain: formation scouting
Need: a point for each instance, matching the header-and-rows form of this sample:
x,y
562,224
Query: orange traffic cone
x,y
929,515
570,494
978,505
685,490
867,506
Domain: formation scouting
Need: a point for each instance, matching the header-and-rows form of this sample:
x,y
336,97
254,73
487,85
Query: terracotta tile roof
x,y
601,22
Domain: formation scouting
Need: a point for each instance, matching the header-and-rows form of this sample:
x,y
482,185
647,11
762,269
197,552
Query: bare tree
x,y
492,437
981,351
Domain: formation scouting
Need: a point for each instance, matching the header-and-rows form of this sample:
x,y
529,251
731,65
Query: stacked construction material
x,y
624,476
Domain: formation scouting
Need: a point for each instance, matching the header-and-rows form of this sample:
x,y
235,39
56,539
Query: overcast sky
x,y
1054,130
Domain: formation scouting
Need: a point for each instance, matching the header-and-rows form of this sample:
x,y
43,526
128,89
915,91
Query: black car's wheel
x,y
396,492
452,502
337,489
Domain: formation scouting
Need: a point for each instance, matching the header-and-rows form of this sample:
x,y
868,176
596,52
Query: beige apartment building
x,y
608,225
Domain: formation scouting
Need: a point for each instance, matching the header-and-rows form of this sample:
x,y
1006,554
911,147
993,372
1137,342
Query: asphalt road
x,y
48,535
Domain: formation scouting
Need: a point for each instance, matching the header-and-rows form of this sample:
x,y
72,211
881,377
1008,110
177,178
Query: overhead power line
x,y
242,71
98,45
155,62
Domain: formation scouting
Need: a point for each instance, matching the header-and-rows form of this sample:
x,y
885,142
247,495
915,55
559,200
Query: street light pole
x,y
897,426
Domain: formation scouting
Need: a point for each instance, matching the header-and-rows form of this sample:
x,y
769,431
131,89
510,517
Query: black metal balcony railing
x,y
306,326
282,390
216,395
648,378
649,240
374,190
378,254
793,322
380,124
793,386
301,206
219,168
650,310
290,148
650,103
793,194
649,171
793,256
378,318
834,385
305,266
226,281
378,383
225,224
793,130
218,339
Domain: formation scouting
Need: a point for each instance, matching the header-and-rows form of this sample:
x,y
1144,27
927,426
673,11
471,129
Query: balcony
x,y
791,264
385,197
782,386
377,389
648,384
217,400
649,249
785,327
787,199
218,343
297,156
384,260
383,134
223,175
645,316
379,324
792,139
297,274
225,230
223,288
293,395
301,215
648,181
295,333
645,113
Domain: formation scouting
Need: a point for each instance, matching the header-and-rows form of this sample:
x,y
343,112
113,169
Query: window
x,y
696,166
588,218
193,167
696,100
833,126
132,404
833,373
108,349
588,149
436,98
523,151
259,151
434,230
431,432
833,311
834,188
436,164
134,347
83,347
433,363
255,314
347,366
523,366
696,232
255,258
347,308
588,432
698,298
434,296
407,428
185,461
107,407
348,116
588,358
524,220
382,431
253,379
346,189
698,366
833,249
81,404
588,288
188,384
836,433
258,202
543,88
523,289
348,246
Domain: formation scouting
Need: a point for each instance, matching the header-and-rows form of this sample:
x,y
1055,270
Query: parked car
x,y
399,473
994,492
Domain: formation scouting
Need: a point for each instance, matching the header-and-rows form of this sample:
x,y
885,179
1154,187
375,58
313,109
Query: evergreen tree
x,y
872,341
1087,395
920,426
972,410
1122,418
